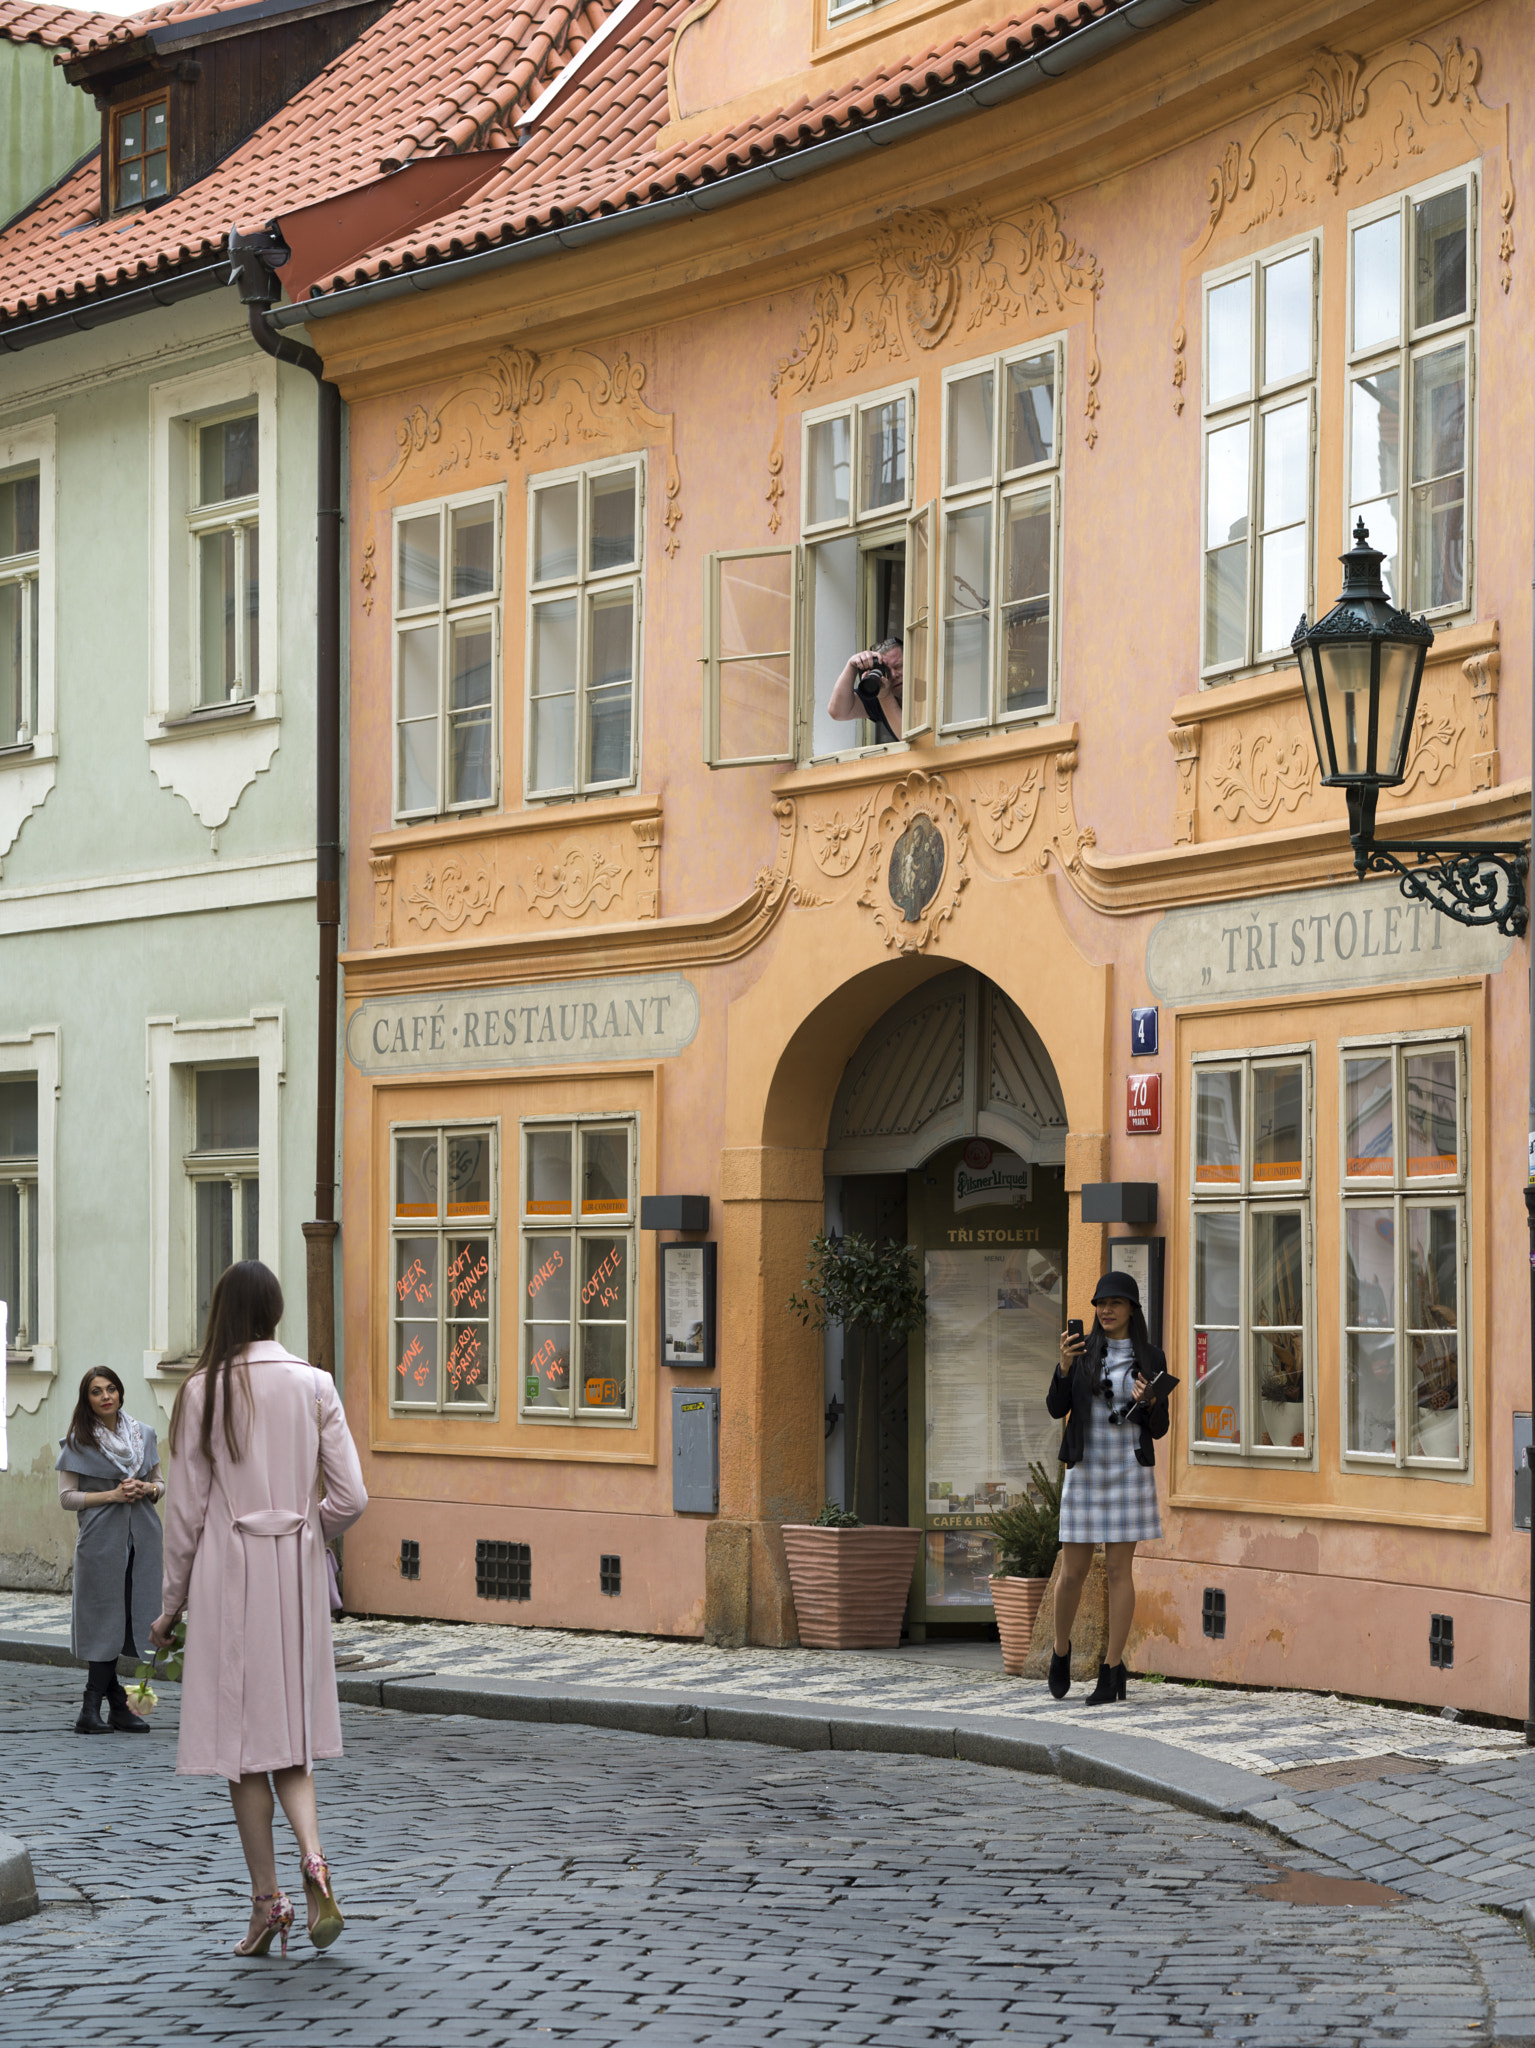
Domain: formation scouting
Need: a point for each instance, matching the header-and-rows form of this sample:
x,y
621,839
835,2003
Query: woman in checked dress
x,y
1110,1491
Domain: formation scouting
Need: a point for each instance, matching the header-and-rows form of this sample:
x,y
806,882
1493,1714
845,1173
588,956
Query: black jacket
x,y
1071,1396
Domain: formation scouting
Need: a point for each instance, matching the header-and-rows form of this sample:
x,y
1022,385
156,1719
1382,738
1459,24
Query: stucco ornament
x,y
1436,738
382,865
1481,671
929,272
1352,125
836,841
915,863
1263,772
449,896
583,878
1007,811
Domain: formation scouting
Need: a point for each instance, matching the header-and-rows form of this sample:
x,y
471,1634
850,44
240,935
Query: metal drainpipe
x,y
254,260
1529,1193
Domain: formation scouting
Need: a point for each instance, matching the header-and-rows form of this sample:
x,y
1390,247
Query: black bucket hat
x,y
1117,1287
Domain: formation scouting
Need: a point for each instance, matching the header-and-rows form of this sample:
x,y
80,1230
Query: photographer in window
x,y
870,687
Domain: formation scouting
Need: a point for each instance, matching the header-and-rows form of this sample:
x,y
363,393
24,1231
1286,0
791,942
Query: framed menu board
x,y
687,1304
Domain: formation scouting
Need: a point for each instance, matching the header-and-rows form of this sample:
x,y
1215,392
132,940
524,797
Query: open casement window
x,y
225,527
1259,455
577,1297
1000,571
18,1208
751,630
140,153
443,1269
1250,1279
20,572
223,1170
1404,1263
1411,386
586,539
447,588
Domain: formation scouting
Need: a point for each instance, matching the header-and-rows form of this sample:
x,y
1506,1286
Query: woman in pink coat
x,y
254,1436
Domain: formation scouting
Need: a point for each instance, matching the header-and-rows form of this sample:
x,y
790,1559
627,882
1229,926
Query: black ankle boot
x,y
90,1721
121,1716
1060,1673
1110,1686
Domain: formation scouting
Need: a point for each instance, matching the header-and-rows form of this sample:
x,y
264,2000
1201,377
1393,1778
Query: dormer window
x,y
140,153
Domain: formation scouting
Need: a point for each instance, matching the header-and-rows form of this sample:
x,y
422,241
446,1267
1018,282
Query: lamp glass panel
x,y
1399,662
1377,289
1230,374
1346,669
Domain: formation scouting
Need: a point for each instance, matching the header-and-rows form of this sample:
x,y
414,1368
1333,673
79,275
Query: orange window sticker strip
x,y
1218,1176
415,1208
1278,1169
605,1207
1366,1169
548,1208
1431,1163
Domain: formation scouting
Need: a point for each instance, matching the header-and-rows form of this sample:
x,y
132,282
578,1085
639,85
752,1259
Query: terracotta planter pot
x,y
1017,1604
850,1585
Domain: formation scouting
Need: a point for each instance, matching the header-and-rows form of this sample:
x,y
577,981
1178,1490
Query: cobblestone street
x,y
505,1880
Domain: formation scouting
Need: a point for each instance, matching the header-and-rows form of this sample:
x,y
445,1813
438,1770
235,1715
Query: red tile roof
x,y
127,28
56,28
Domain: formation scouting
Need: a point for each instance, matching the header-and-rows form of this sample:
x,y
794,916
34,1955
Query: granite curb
x,y
18,1886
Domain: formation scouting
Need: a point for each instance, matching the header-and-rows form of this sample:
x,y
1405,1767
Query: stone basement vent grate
x,y
1215,1614
410,1558
610,1573
503,1571
1441,1641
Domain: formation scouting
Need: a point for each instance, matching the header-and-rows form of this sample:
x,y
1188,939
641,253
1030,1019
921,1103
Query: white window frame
x,y
447,612
1003,486
234,1167
27,446
1400,1192
177,409
1411,345
1243,1198
579,587
572,1227
224,515
854,410
174,1051
1260,399
31,1370
442,1227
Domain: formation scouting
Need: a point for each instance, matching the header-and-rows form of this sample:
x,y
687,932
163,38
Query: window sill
x,y
213,718
29,1378
42,746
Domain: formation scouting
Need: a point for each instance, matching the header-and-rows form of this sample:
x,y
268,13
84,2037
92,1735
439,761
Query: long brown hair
x,y
84,1430
246,1309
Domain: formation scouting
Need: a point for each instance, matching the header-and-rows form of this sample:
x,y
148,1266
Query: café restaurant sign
x,y
1353,936
557,1023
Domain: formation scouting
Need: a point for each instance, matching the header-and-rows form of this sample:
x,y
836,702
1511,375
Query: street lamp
x,y
1361,666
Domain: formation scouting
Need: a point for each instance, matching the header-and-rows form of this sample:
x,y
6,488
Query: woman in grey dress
x,y
1109,1495
109,1476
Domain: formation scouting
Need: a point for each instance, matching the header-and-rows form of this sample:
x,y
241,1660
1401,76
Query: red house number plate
x,y
1143,1102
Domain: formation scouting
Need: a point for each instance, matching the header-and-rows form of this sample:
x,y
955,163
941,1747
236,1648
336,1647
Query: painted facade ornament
x,y
583,878
450,897
382,865
932,272
1185,746
647,833
1352,126
915,863
1262,772
1007,811
1481,672
836,841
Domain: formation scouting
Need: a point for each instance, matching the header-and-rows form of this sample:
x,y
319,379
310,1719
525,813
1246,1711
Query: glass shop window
x,y
443,1270
447,618
577,1278
1251,1257
223,1178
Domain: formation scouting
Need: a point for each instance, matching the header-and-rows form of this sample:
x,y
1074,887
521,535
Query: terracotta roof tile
x,y
126,28
56,28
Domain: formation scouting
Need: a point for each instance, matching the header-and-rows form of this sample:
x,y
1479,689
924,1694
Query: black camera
x,y
868,684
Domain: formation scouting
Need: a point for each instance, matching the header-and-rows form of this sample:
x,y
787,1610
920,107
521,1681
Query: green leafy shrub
x,y
1029,1535
833,1517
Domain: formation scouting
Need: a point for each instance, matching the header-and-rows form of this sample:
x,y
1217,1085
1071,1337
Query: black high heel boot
x,y
90,1721
1060,1673
121,1716
1110,1686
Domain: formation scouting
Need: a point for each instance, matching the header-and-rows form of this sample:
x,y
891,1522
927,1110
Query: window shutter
x,y
751,633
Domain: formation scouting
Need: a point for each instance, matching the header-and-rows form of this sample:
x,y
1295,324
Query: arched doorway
x,y
948,1133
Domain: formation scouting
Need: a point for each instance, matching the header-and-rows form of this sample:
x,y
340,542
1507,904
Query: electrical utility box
x,y
696,1450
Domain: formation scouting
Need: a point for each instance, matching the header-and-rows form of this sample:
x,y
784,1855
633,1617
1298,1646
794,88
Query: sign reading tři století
x,y
555,1023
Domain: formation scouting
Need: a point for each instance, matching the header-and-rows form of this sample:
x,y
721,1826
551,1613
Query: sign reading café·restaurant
x,y
1351,936
556,1023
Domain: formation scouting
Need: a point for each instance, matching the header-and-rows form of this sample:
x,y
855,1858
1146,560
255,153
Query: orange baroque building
x,y
1065,352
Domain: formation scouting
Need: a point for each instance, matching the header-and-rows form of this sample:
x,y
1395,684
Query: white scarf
x,y
124,1444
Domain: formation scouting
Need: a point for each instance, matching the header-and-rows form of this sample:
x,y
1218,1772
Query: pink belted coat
x,y
245,1555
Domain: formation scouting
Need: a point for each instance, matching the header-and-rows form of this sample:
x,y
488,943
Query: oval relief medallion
x,y
916,867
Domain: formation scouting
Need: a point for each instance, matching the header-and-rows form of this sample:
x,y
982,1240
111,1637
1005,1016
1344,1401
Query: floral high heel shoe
x,y
325,1921
279,1918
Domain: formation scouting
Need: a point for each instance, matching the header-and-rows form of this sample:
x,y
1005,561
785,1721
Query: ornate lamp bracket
x,y
1473,881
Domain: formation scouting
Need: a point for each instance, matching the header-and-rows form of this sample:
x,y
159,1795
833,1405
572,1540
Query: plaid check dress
x,y
1108,1497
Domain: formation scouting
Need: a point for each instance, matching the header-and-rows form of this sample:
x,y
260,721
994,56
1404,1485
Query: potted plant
x,y
1027,1536
849,1580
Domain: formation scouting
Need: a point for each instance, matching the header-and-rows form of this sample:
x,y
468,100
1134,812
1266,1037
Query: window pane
x,y
1283,596
19,507
1217,1255
609,724
470,714
828,458
468,1308
1432,1274
556,514
967,611
1376,282
604,1173
968,441
1371,1394
12,1198
18,1118
547,1287
553,741
415,1331
1369,1292
130,184
473,546
612,637
1030,410
156,176
882,479
228,1109
548,1173
1278,1321
155,125
419,575
917,652
213,1229
1278,1123
1376,430
1286,464
1432,1114
130,133
604,1375
228,453
1433,1346
1228,458
468,1155
604,1280
468,1366
18,661
1231,341
1368,1145
546,1365
415,1174
1026,589
1287,318
418,716
216,614
250,653
1228,454
250,1218
1439,268
614,532
1438,471
1217,1127
418,766
755,630
418,672
1217,1386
